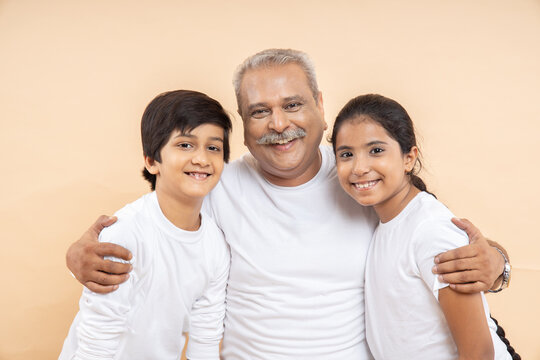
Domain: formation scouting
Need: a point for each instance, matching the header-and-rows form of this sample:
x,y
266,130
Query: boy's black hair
x,y
179,110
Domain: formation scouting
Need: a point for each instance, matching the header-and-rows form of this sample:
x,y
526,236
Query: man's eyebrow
x,y
256,105
294,97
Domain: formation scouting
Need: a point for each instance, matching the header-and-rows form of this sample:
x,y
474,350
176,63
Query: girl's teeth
x,y
365,185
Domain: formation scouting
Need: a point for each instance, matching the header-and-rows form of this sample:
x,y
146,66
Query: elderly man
x,y
298,242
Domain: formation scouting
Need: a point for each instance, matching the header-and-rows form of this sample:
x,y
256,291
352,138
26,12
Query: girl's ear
x,y
151,165
409,159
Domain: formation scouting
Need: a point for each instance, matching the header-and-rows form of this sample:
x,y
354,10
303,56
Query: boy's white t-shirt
x,y
177,285
403,316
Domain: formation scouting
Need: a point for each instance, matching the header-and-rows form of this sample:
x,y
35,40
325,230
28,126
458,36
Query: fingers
x,y
102,222
469,288
100,289
454,265
472,231
115,268
461,277
454,254
110,249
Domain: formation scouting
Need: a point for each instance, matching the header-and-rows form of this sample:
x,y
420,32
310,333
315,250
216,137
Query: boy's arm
x,y
85,259
208,312
472,268
466,319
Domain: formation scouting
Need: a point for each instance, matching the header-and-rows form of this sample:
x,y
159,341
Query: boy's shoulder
x,y
133,218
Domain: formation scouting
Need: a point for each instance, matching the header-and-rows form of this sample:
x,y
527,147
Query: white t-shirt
x,y
296,284
403,316
177,285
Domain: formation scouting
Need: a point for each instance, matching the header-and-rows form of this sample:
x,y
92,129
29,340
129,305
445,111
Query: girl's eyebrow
x,y
344,147
376,142
371,143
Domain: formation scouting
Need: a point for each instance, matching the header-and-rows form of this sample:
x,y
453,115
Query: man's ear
x,y
409,159
151,165
321,108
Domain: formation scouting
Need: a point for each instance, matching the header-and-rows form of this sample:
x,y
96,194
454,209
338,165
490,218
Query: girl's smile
x,y
371,167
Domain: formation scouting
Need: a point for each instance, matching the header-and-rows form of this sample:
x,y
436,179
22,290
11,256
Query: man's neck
x,y
288,178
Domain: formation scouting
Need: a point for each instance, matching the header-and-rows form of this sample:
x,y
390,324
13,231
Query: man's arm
x,y
472,268
85,259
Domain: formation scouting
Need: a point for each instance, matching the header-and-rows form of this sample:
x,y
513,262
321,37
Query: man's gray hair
x,y
274,57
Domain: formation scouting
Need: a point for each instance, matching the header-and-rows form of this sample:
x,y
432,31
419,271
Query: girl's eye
x,y
376,151
345,154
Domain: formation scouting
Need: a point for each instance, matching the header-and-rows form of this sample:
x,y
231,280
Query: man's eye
x,y
345,154
259,113
293,106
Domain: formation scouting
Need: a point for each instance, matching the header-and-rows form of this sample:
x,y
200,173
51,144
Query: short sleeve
x,y
431,238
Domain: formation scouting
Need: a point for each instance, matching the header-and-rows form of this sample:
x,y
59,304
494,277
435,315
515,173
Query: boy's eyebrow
x,y
216,138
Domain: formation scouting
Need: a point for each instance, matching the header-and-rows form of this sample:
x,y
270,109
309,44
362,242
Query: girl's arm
x,y
467,322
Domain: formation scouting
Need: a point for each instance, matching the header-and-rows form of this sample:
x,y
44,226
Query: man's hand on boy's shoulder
x,y
471,268
85,259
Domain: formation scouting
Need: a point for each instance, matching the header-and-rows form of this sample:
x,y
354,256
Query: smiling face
x,y
371,167
283,124
191,164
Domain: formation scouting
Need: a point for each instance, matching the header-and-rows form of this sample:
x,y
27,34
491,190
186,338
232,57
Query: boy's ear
x,y
410,159
151,165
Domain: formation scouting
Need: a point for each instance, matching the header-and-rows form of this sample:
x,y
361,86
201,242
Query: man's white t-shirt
x,y
403,316
177,285
296,284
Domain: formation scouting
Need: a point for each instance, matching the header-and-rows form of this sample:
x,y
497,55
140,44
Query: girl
x,y
409,313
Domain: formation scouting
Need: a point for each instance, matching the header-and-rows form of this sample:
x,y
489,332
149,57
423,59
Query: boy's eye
x,y
214,148
376,150
185,145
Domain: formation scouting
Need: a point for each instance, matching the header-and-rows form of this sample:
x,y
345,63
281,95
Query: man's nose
x,y
279,121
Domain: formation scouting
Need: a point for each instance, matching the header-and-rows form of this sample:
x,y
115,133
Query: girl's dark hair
x,y
181,110
391,116
502,336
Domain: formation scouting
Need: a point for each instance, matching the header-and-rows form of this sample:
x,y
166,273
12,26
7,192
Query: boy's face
x,y
191,163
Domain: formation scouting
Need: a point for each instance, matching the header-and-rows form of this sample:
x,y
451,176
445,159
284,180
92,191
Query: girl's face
x,y
371,167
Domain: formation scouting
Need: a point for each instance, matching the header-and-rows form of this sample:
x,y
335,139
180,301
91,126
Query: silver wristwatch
x,y
507,272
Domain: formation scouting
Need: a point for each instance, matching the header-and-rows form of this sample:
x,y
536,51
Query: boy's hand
x,y
85,259
471,268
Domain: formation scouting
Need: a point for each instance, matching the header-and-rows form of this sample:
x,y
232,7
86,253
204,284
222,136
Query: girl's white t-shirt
x,y
403,316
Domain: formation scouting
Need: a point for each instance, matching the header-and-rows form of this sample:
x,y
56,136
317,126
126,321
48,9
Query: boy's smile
x,y
191,164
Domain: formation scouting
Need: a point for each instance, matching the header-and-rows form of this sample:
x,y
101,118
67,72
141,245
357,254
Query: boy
x,y
180,260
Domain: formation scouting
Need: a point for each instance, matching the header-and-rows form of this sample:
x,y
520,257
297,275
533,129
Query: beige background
x,y
75,77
